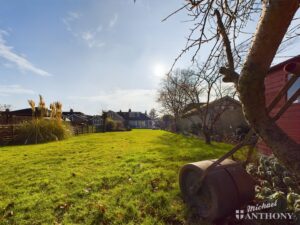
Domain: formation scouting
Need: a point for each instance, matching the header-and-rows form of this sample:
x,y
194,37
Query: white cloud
x,y
71,16
7,90
136,99
89,37
7,52
114,20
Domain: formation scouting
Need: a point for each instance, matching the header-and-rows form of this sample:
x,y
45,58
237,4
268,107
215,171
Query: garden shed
x,y
290,120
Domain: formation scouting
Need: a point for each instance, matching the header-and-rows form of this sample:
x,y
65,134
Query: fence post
x,y
12,131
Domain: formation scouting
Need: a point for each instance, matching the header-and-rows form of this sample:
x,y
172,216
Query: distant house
x,y
115,116
136,119
225,114
76,118
96,120
28,112
79,118
290,120
21,115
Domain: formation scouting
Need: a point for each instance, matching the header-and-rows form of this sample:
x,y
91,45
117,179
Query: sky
x,y
91,55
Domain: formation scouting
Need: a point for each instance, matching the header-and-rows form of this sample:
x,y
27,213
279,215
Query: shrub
x,y
110,124
119,126
113,125
275,182
41,131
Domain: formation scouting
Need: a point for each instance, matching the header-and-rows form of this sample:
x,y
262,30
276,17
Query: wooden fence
x,y
14,120
7,133
83,129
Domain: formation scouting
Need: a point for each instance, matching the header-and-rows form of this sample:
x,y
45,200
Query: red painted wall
x,y
290,120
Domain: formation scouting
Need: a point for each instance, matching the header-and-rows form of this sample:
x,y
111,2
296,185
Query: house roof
x,y
78,118
211,104
71,113
191,106
115,116
225,98
25,112
134,116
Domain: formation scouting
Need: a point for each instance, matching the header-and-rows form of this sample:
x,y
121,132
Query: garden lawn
x,y
105,178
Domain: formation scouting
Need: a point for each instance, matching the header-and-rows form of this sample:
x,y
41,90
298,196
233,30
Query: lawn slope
x,y
106,178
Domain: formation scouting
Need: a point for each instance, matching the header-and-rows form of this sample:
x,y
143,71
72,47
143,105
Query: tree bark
x,y
275,20
207,136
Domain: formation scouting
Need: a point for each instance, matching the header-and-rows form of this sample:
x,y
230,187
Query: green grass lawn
x,y
106,178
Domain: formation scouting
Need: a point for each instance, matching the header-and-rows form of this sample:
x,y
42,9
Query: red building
x,y
290,120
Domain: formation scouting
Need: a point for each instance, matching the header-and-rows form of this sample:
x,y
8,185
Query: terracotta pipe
x,y
293,68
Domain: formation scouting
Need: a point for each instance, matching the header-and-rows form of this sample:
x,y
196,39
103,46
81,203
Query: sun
x,y
159,70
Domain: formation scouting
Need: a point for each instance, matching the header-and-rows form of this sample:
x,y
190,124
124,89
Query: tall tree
x,y
201,88
245,60
153,114
172,97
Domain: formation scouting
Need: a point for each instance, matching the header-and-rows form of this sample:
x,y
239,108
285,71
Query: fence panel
x,y
7,133
83,129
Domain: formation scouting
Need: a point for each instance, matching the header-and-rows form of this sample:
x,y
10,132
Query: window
x,y
293,89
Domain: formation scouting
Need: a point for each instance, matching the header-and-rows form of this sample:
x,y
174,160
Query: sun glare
x,y
159,70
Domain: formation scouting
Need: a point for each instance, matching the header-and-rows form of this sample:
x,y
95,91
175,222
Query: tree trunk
x,y
207,136
273,25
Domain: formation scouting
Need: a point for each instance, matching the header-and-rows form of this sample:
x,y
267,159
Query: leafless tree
x,y
153,114
244,56
172,97
201,88
4,107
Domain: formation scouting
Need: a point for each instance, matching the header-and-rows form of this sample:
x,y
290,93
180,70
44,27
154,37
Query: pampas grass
x,y
41,131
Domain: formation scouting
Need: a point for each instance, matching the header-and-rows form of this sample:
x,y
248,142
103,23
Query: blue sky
x,y
91,55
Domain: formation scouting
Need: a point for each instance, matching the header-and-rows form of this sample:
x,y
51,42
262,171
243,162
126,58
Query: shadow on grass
x,y
189,149
179,149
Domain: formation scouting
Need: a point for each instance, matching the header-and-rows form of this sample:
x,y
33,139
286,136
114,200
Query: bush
x,y
120,126
113,125
41,131
275,182
110,124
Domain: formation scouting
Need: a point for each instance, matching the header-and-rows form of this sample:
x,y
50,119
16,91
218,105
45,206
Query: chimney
x,y
129,110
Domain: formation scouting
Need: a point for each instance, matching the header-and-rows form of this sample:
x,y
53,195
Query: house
x,y
21,115
115,116
79,118
96,121
136,119
289,122
28,112
224,116
76,118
